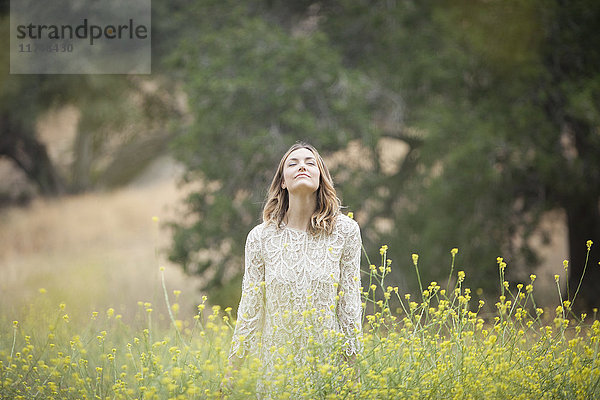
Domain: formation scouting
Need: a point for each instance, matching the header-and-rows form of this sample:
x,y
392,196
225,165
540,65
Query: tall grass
x,y
435,345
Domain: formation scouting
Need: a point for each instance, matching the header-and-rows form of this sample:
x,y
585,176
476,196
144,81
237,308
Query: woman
x,y
301,285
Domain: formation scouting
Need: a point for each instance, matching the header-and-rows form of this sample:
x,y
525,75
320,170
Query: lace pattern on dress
x,y
297,289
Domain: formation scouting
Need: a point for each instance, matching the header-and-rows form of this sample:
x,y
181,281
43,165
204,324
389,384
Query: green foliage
x,y
254,89
496,101
498,90
114,112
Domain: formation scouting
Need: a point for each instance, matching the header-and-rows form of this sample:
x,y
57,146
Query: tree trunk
x,y
82,165
19,144
583,219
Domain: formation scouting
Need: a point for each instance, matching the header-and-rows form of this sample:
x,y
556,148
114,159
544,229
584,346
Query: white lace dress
x,y
299,289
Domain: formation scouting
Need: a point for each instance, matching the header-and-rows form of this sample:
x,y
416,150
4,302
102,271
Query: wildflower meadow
x,y
438,344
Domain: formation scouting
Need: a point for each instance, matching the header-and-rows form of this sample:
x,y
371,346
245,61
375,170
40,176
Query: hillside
x,y
94,250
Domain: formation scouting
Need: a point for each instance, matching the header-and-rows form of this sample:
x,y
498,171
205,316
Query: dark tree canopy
x,y
507,93
497,102
108,105
255,89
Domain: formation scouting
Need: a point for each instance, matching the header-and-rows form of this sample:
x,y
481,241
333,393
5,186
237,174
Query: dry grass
x,y
92,251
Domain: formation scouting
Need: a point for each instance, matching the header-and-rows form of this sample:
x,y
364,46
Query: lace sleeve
x,y
246,336
349,310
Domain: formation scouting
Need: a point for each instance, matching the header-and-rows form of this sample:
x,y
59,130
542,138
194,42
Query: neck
x,y
300,210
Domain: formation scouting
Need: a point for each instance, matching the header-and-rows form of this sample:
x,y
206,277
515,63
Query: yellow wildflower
x,y
415,258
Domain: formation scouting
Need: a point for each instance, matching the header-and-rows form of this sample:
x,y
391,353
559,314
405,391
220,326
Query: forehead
x,y
301,154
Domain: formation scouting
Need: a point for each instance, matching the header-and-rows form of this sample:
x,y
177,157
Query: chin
x,y
304,187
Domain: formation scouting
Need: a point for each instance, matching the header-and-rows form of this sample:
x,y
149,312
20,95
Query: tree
x,y
120,129
18,105
506,95
495,100
255,88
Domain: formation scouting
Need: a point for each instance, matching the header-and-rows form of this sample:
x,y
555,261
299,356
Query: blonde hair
x,y
328,204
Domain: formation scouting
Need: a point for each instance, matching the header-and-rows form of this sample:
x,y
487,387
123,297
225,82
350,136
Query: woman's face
x,y
301,172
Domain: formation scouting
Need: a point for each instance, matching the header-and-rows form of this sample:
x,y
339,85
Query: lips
x,y
300,175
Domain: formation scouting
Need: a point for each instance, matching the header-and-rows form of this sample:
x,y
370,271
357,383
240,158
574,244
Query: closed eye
x,y
308,161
